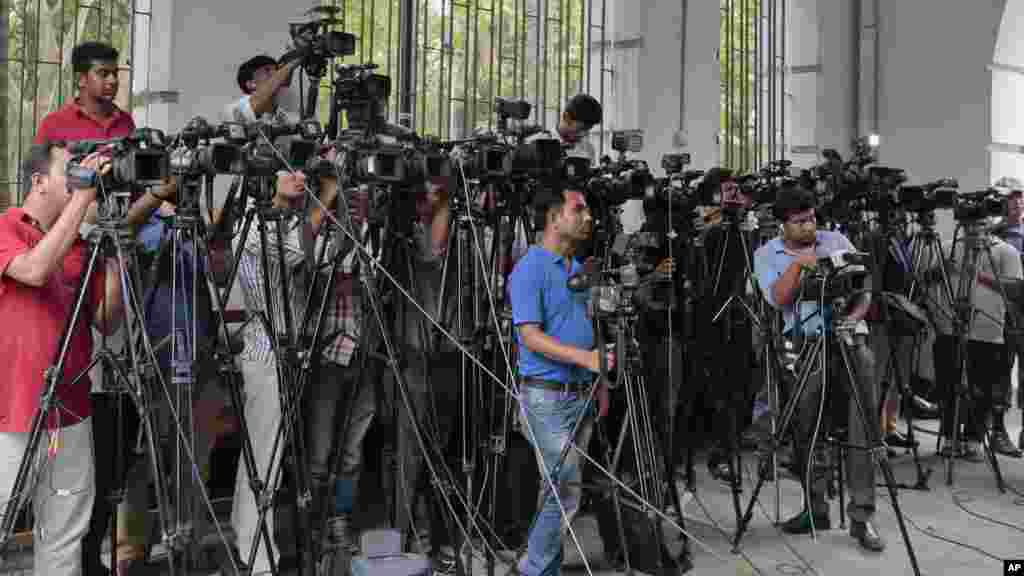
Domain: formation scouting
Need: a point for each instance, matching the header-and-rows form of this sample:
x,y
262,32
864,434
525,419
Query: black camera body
x,y
139,159
540,158
977,206
618,182
362,94
929,197
367,161
315,42
512,109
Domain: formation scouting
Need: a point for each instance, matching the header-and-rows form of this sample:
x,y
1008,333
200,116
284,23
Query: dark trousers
x,y
987,377
1014,351
435,402
107,450
840,411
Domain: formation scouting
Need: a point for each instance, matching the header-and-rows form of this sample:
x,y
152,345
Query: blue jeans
x,y
552,417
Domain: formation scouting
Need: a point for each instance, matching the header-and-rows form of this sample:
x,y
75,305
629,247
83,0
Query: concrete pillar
x,y
803,79
837,103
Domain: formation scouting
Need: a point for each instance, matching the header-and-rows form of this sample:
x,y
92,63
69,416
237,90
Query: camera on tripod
x,y
315,43
840,275
139,159
362,94
258,156
978,206
940,194
616,182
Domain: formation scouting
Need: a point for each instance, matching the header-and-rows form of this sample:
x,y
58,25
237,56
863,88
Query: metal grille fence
x,y
753,64
467,52
36,76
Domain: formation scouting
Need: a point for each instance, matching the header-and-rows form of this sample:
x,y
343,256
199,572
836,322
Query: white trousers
x,y
263,417
62,489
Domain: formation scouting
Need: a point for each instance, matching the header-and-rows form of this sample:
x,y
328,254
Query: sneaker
x,y
1000,441
801,523
866,534
896,439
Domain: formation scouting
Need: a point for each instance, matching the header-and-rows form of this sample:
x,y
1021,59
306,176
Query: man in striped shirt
x,y
258,361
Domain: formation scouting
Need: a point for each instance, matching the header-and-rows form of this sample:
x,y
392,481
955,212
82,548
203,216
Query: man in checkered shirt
x,y
343,401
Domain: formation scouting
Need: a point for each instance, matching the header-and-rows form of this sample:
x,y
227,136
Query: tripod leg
x,y
785,421
139,360
861,387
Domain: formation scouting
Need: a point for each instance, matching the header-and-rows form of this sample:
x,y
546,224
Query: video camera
x,y
940,194
840,275
616,182
375,161
977,206
243,149
677,186
139,159
314,42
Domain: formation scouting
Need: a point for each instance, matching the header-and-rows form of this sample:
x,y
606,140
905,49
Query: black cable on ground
x,y
931,533
961,497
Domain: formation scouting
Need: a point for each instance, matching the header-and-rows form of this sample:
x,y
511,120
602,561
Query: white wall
x,y
1007,94
212,39
648,76
676,104
935,87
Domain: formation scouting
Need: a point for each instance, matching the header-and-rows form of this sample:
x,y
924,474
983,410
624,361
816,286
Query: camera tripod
x,y
652,464
976,241
818,358
111,236
274,305
479,271
185,252
737,227
882,244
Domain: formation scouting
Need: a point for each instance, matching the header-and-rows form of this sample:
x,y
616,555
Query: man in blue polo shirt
x,y
557,363
779,266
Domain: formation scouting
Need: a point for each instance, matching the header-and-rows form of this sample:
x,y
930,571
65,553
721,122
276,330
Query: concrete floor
x,y
988,526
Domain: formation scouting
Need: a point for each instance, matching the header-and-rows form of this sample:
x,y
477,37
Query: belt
x,y
555,385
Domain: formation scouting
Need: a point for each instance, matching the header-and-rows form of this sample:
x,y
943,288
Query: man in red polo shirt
x,y
41,264
93,115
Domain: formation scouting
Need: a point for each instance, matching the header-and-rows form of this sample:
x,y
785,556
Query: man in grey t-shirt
x,y
986,353
1012,232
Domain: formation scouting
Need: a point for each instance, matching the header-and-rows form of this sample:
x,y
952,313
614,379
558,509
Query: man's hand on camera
x,y
291,186
99,163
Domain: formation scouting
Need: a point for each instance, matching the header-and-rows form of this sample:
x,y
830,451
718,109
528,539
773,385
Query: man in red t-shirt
x,y
41,265
93,115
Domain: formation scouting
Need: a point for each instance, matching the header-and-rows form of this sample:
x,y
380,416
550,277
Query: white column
x,y
837,102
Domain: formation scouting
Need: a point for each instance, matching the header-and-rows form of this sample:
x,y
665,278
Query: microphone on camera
x,y
844,259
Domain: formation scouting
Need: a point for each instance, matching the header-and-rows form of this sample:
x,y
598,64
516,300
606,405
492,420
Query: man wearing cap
x,y
780,266
1012,232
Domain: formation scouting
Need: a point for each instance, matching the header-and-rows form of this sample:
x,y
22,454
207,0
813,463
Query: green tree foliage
x,y
738,61
36,76
467,53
